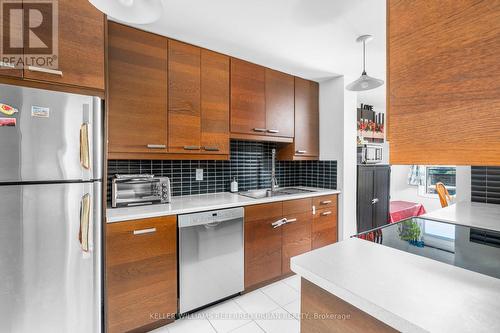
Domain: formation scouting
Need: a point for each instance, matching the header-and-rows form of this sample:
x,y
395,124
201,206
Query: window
x,y
436,174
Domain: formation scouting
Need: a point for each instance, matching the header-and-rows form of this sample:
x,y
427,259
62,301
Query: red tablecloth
x,y
402,210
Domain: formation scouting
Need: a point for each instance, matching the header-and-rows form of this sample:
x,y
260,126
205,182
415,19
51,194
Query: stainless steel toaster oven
x,y
135,190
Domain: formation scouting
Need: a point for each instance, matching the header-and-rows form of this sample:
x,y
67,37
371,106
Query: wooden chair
x,y
444,196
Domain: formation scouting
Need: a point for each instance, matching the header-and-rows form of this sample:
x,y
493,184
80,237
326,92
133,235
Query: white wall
x,y
338,142
400,190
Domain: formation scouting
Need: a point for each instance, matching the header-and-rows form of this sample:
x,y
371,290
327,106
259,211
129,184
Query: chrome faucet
x,y
274,181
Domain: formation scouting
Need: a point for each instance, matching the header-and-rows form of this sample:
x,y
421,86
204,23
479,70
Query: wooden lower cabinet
x,y
262,243
324,224
141,273
296,238
268,250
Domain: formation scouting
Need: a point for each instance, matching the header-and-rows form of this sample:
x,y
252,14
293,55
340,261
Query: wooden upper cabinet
x,y
80,47
306,141
137,94
214,102
184,103
141,274
279,104
443,88
248,100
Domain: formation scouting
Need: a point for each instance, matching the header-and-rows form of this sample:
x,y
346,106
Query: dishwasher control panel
x,y
188,220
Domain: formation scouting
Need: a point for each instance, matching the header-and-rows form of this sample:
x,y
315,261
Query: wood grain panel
x,y
443,87
307,117
297,206
324,228
184,99
137,92
280,104
248,102
259,212
141,273
214,102
296,238
326,201
263,254
318,302
16,36
80,46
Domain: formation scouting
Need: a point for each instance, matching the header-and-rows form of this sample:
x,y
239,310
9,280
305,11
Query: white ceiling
x,y
314,39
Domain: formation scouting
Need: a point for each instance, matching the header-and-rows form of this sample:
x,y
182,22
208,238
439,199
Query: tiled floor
x,y
272,309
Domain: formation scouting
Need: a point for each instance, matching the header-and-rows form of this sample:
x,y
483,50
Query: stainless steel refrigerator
x,y
50,211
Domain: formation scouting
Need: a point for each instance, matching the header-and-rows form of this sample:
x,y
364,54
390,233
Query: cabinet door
x,y
262,243
381,189
137,94
214,103
80,47
365,197
296,237
184,105
280,104
141,273
248,103
306,118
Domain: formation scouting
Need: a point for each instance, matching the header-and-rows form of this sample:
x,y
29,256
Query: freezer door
x,y
50,258
56,136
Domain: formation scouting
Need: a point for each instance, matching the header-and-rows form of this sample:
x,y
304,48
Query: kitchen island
x,y
364,286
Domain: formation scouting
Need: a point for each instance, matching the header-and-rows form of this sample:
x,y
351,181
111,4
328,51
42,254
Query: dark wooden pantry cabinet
x,y
373,196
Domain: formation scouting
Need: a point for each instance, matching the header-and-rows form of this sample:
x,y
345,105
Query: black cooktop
x,y
474,249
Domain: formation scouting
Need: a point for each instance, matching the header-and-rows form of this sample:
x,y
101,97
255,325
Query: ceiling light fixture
x,y
131,11
364,82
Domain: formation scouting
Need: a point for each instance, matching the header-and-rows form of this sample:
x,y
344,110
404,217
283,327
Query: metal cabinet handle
x,y
192,148
151,146
7,64
326,202
211,148
144,231
83,233
273,131
326,213
45,70
259,129
301,151
374,201
278,223
84,146
290,220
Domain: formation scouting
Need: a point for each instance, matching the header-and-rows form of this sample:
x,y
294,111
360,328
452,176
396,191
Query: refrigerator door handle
x,y
83,235
84,146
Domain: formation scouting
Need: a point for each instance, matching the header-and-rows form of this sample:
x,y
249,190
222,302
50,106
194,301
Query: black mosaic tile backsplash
x,y
250,163
485,184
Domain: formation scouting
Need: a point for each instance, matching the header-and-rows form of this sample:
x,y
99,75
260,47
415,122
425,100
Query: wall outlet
x,y
199,174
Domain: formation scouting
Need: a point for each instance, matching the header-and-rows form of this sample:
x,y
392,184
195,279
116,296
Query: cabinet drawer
x,y
326,201
324,228
263,211
297,206
141,273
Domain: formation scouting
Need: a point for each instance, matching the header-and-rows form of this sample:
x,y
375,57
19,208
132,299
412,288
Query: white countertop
x,y
470,214
408,292
202,202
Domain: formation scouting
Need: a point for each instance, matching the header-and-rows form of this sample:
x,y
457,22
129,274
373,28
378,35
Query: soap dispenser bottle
x,y
234,185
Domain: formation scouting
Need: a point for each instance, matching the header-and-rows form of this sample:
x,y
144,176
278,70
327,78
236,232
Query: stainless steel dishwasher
x,y
211,258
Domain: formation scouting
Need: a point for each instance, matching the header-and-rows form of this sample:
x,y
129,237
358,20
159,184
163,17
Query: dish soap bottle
x,y
234,185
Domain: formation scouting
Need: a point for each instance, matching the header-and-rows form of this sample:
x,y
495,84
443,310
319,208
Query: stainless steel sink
x,y
267,193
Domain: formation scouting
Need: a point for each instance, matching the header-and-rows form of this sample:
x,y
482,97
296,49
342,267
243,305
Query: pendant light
x,y
131,11
364,82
